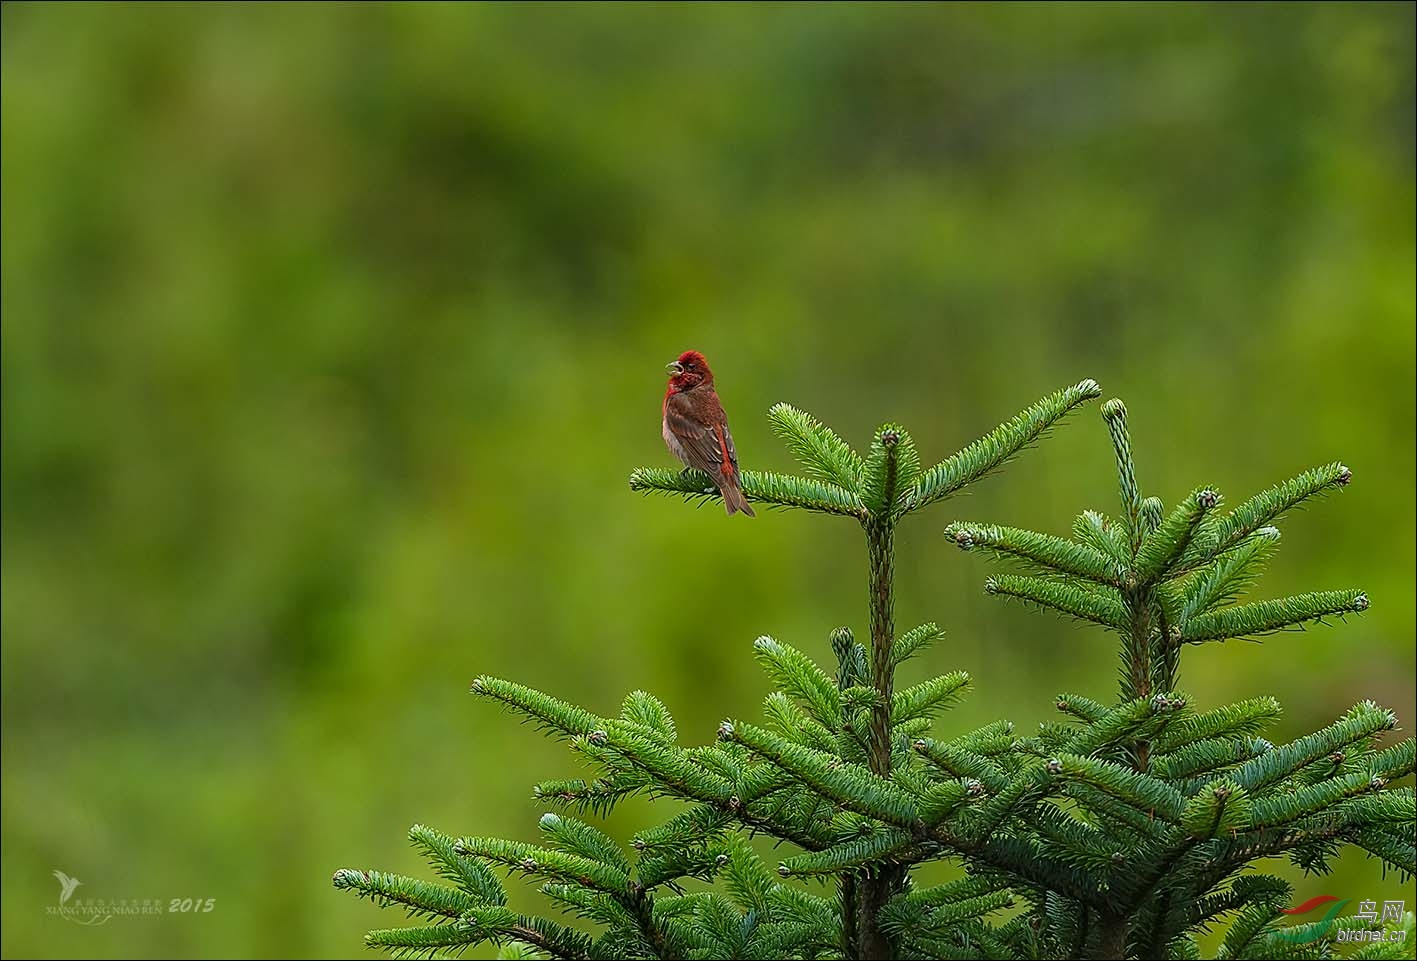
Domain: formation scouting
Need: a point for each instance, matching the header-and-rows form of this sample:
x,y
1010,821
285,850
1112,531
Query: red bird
x,y
696,429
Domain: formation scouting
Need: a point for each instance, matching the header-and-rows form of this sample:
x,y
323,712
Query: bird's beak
x,y
674,368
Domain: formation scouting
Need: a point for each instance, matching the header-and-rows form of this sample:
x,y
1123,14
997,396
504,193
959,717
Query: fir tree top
x,y
1125,831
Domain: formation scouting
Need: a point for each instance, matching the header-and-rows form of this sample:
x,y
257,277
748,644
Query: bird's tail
x,y
734,500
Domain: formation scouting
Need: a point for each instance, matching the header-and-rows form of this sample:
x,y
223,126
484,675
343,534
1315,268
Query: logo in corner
x,y
76,913
66,886
1312,931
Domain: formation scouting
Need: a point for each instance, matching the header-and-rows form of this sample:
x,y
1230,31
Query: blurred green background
x,y
332,333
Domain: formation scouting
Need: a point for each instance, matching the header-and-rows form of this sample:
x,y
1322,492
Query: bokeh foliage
x,y
330,332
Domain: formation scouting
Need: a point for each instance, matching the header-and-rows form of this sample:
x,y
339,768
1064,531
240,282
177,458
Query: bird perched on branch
x,y
696,430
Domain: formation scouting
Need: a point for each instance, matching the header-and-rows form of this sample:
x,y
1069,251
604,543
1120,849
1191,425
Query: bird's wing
x,y
706,447
728,445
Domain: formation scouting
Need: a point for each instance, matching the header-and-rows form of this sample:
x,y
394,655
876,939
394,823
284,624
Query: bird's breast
x,y
672,442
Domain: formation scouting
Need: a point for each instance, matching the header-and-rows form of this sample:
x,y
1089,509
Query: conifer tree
x,y
1124,832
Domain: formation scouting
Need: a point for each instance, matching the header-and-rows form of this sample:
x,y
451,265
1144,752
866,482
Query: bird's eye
x,y
689,364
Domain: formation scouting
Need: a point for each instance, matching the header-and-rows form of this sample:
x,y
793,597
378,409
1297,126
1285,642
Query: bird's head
x,y
689,371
